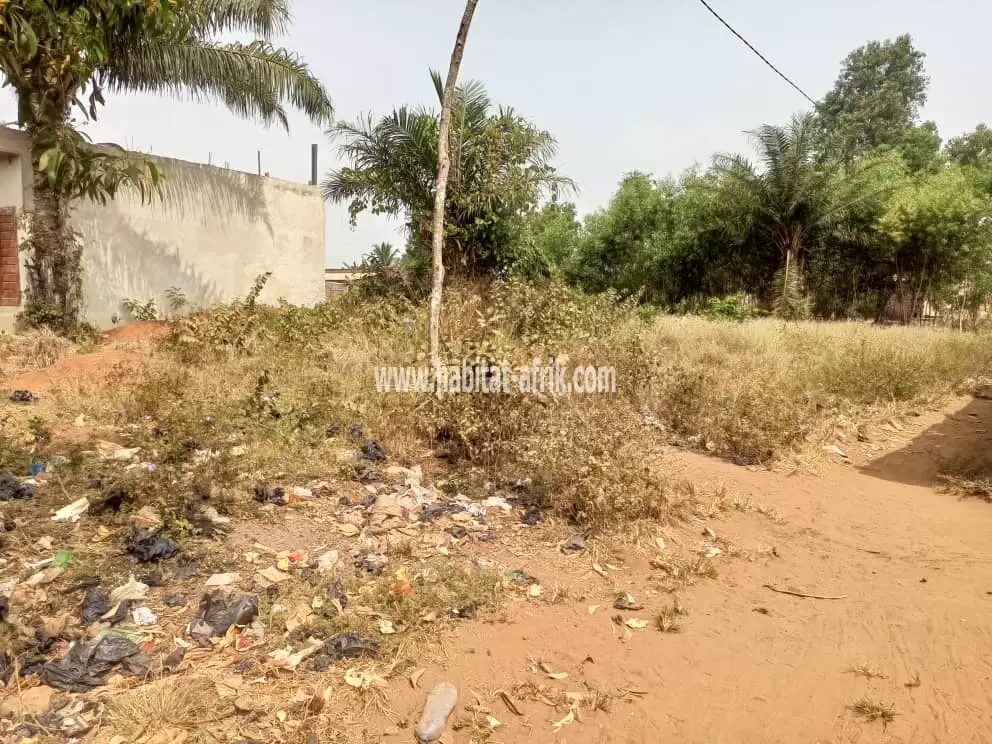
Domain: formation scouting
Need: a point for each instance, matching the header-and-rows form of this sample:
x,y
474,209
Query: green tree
x,y
64,57
937,232
876,98
793,201
972,149
500,170
546,240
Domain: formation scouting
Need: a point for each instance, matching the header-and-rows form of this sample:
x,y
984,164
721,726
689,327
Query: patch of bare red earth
x,y
752,665
122,346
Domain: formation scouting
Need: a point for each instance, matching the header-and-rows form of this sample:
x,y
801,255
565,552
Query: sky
x,y
648,85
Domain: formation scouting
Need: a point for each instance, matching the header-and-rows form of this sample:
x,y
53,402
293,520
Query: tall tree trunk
x,y
54,271
441,187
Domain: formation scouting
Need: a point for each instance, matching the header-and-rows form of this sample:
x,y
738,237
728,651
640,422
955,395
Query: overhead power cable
x,y
762,57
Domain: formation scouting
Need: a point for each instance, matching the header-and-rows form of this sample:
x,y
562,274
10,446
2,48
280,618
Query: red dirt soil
x,y
116,349
752,665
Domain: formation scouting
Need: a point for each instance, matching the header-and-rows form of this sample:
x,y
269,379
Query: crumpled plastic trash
x,y
435,510
22,396
11,488
133,589
72,512
574,543
440,703
112,501
267,495
372,450
87,663
350,646
150,545
374,563
95,605
144,616
218,611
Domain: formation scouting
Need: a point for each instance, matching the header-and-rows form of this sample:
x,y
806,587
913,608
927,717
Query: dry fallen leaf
x,y
558,675
599,569
415,676
592,609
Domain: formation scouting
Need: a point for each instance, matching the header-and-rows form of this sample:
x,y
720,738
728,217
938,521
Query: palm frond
x,y
254,80
266,18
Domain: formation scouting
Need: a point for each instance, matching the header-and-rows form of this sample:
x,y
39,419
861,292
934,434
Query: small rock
x,y
243,705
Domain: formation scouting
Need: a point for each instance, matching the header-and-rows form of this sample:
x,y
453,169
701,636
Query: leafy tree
x,y
972,148
500,171
793,202
546,241
877,97
63,57
938,234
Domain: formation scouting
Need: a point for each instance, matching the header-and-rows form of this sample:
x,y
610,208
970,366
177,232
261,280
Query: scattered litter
x,y
174,600
497,502
299,493
132,590
493,722
599,569
592,609
659,542
214,516
269,495
712,551
144,616
349,646
72,512
347,529
627,602
535,590
328,561
112,501
223,579
150,545
386,627
531,515
835,450
95,605
238,450
22,396
708,532
12,488
87,662
457,531
635,623
288,660
219,610
574,543
271,576
440,703
374,563
116,613
373,451
363,679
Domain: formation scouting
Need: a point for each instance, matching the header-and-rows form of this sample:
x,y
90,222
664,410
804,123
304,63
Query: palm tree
x,y
382,256
794,201
500,167
157,46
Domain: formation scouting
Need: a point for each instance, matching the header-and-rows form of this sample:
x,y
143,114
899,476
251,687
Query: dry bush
x,y
41,347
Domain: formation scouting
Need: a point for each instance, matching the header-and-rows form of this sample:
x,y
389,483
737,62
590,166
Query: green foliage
x,y
138,310
500,171
876,98
731,307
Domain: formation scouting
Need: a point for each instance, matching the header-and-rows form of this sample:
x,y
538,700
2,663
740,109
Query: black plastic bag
x,y
268,495
219,610
350,645
111,501
87,663
372,450
150,545
95,605
11,488
22,396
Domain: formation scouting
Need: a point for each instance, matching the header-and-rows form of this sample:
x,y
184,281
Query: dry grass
x,y
668,620
41,347
872,711
868,671
173,704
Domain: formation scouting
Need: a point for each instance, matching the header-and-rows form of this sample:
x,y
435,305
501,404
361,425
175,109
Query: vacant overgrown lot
x,y
294,386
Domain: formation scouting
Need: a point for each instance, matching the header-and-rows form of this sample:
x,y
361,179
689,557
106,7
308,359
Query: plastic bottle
x,y
440,702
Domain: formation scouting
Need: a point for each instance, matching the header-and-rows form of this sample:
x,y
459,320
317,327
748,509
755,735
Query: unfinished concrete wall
x,y
213,231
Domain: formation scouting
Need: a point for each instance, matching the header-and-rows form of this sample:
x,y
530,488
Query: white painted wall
x,y
210,234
